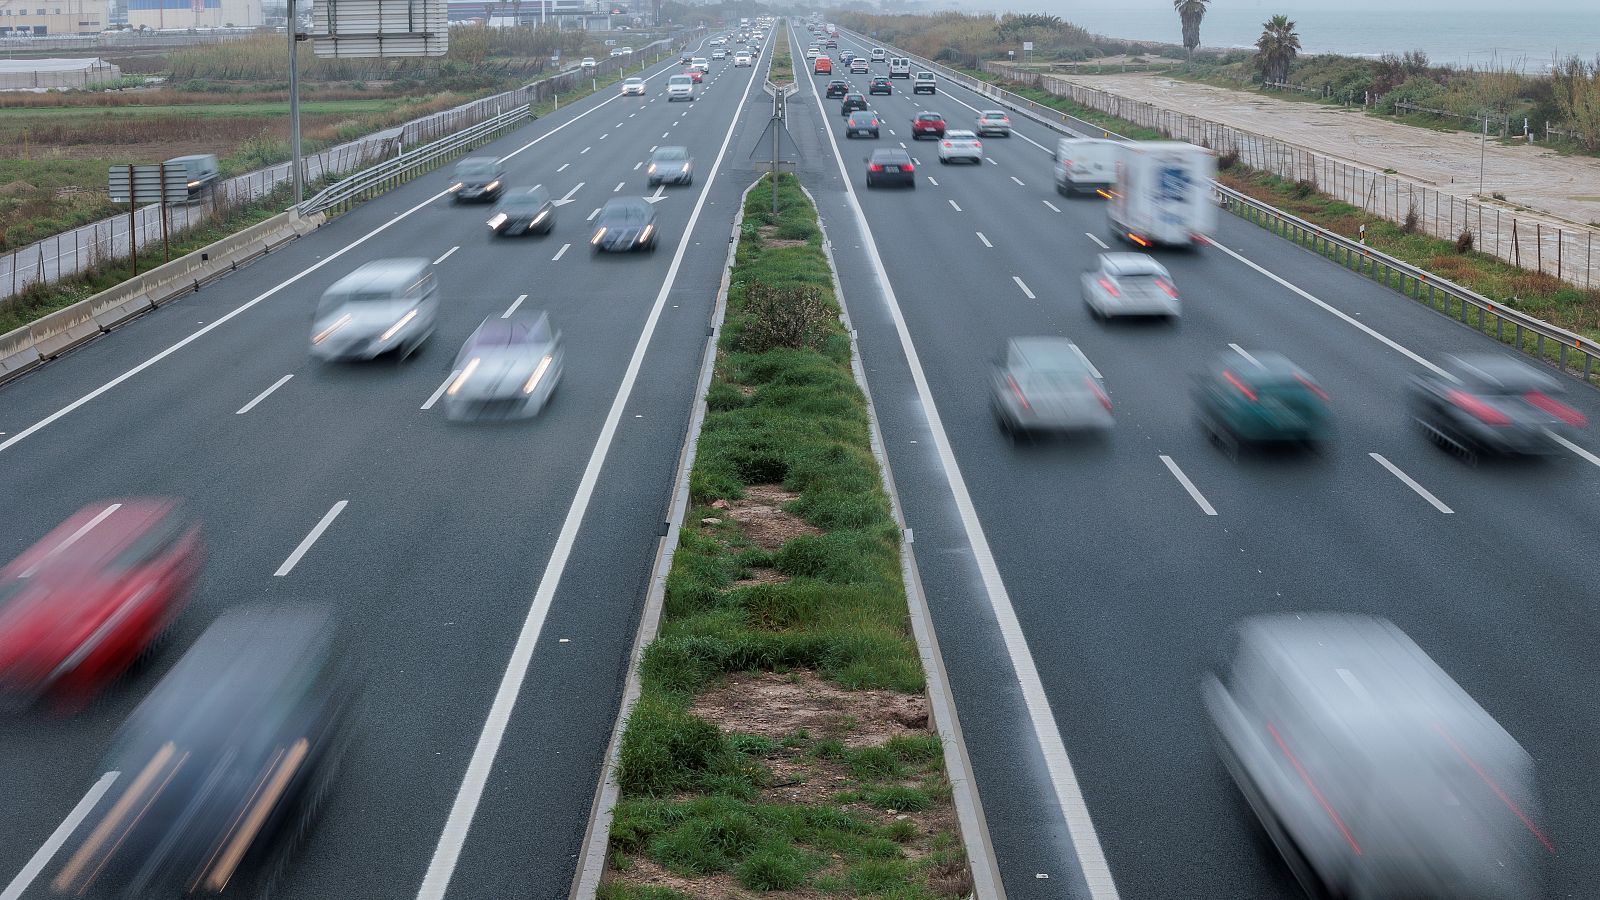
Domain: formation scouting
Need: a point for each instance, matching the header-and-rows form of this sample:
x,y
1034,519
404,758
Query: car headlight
x,y
652,169
491,185
194,184
455,386
395,328
326,332
540,217
538,373
455,187
597,236
498,220
645,234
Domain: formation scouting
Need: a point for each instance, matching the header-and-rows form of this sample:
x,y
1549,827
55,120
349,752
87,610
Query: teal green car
x,y
1261,399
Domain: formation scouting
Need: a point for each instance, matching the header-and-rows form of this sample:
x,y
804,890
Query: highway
x,y
1123,585
490,576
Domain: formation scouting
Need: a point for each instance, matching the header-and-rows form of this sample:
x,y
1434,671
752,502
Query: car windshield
x,y
529,200
993,115
1048,356
930,117
680,79
960,136
891,156
476,168
634,81
671,153
622,212
360,298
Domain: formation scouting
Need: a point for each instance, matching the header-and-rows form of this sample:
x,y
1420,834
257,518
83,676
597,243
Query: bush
x,y
797,318
1410,224
1464,242
1416,89
1304,188
1228,160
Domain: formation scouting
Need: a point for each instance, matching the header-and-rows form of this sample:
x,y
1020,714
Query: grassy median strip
x,y
781,740
782,71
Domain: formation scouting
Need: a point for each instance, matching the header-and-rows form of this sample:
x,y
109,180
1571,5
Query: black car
x,y
852,102
625,223
477,179
223,765
880,84
672,164
891,165
685,58
528,211
837,88
1492,404
862,122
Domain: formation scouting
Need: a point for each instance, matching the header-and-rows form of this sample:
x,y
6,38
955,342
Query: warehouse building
x,y
19,18
186,14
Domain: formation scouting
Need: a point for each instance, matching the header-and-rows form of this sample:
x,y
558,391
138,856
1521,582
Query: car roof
x,y
929,114
1036,349
960,134
1492,370
383,274
1261,367
630,207
890,154
1130,264
92,535
992,112
670,152
524,327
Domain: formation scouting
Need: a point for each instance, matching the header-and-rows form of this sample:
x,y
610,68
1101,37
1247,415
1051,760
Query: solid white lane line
x,y
563,167
985,240
1047,731
439,391
585,150
933,181
1188,485
513,307
1409,482
447,254
1092,370
1098,243
618,187
453,837
1053,207
47,850
1025,291
955,206
1587,456
1247,357
560,253
593,214
263,395
1020,184
305,544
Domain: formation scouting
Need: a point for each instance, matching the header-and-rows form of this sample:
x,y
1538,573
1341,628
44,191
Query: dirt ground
x,y
1567,187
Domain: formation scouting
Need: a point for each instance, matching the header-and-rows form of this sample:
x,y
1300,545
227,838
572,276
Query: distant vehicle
x,y
958,145
891,165
633,85
616,51
847,56
925,83
507,369
1163,194
385,306
529,211
879,54
993,121
852,102
1086,165
1044,384
1488,404
822,66
695,75
858,66
624,224
225,763
670,164
831,44
81,605
880,85
812,52
701,63
927,124
1129,284
588,62
1259,400
836,88
899,67
685,59
681,87
477,178
741,60
200,172
1372,771
719,53
625,51
862,123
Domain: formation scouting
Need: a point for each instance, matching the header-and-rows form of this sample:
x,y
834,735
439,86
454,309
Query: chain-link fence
x,y
1544,245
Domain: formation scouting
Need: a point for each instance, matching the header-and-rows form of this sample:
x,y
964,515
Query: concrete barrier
x,y
17,354
119,304
60,331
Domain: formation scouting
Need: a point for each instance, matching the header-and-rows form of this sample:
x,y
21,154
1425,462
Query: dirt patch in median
x,y
761,515
776,705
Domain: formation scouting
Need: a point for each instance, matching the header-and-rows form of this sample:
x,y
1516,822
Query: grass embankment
x,y
1540,295
1062,104
780,742
782,71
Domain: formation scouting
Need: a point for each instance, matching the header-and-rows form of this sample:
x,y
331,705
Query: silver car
x,y
672,164
959,144
1045,384
507,369
385,306
1372,771
993,121
1130,284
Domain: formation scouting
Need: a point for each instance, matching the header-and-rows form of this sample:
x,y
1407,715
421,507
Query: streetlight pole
x,y
294,107
1483,150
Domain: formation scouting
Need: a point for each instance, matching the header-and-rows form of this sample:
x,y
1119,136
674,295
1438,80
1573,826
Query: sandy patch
x,y
777,705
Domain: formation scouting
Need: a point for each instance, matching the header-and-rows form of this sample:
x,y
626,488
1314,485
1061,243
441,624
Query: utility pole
x,y
294,107
1483,150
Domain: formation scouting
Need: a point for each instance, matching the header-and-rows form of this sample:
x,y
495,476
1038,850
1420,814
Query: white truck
x,y
1086,165
1163,194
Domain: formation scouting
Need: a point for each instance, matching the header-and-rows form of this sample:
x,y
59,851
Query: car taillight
x,y
1104,400
1167,287
1313,387
874,122
908,167
1556,408
875,168
978,144
1243,388
1108,287
947,143
1478,409
1016,389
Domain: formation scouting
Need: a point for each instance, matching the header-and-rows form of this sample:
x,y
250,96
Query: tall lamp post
x,y
294,107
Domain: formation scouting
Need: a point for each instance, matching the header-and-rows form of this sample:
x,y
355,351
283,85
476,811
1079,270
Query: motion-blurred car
x,y
477,178
993,121
695,75
529,211
891,165
670,164
78,607
852,102
385,306
507,369
634,85
927,124
880,84
1260,399
960,145
222,767
685,58
1044,384
1372,771
1130,284
625,223
862,122
837,88
1489,404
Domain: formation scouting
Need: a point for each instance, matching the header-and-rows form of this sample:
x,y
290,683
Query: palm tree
x,y
1191,12
1276,48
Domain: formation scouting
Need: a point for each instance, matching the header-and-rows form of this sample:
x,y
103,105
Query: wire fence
x,y
1547,246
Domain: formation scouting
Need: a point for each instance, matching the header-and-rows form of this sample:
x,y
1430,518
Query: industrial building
x,y
186,14
563,13
42,17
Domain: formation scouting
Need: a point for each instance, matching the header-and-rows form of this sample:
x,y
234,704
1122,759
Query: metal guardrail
x,y
1526,333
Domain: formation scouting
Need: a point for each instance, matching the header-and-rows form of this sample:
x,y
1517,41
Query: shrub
x,y
796,317
1409,226
1498,196
1304,188
1416,89
1464,242
1228,160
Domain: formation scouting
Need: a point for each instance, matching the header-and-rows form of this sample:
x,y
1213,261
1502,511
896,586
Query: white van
x,y
899,67
680,87
878,54
1086,165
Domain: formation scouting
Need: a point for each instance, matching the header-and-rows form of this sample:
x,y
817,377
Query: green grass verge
x,y
782,71
694,797
1062,104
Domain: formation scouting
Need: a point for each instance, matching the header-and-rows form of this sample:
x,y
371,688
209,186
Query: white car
x,y
812,53
633,86
741,60
701,63
719,53
924,82
1130,284
960,145
680,87
879,54
588,62
859,66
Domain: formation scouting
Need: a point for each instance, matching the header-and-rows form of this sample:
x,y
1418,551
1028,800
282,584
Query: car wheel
x,y
943,161
874,135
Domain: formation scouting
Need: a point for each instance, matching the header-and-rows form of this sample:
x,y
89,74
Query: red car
x,y
927,124
694,73
78,607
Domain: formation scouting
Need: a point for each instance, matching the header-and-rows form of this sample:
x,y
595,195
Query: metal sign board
x,y
1027,46
376,28
146,184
